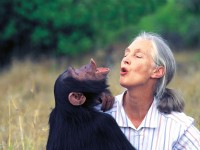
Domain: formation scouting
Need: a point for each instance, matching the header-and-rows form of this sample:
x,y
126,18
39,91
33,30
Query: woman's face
x,y
137,65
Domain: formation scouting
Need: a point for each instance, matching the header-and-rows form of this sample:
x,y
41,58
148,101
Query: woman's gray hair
x,y
168,99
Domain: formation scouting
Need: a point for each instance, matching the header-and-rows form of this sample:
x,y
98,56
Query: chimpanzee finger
x,y
112,99
104,101
109,101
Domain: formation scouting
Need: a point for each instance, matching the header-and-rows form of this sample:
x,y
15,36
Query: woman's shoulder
x,y
180,119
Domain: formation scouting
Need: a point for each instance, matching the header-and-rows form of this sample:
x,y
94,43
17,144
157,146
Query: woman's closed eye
x,y
138,55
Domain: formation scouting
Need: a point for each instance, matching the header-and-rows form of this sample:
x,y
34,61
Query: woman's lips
x,y
123,71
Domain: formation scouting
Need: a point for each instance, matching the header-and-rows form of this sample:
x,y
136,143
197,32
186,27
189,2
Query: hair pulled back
x,y
168,99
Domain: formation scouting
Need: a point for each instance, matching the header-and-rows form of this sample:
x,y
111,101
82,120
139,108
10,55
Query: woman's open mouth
x,y
123,71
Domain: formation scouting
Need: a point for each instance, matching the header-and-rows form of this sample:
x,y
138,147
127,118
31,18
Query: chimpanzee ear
x,y
76,99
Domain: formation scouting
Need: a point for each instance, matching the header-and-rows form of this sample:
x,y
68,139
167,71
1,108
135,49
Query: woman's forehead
x,y
140,45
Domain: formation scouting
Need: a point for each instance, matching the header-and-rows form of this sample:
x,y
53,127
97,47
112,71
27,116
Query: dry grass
x,y
187,82
26,91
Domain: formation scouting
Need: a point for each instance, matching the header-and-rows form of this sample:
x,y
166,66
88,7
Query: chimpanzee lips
x,y
101,70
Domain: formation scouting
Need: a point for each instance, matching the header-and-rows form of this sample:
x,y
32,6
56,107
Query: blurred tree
x,y
66,27
193,6
177,21
191,12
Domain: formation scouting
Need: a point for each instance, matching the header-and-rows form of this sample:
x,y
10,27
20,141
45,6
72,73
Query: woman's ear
x,y
76,99
158,72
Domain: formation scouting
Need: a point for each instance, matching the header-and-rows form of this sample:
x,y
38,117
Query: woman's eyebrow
x,y
138,50
127,50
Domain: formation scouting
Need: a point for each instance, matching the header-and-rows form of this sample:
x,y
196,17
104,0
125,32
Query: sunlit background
x,y
41,38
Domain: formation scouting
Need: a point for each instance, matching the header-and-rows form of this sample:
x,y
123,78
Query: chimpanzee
x,y
74,123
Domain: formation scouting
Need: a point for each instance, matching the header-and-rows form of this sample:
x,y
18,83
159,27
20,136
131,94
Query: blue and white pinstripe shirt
x,y
158,131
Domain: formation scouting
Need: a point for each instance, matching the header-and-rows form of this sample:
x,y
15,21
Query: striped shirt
x,y
158,131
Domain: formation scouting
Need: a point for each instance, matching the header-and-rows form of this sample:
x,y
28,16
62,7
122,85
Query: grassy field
x,y
26,91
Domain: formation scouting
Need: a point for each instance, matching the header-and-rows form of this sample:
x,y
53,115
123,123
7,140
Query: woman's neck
x,y
136,105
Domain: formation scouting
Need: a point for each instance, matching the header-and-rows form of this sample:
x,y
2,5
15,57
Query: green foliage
x,y
40,35
68,27
197,56
162,20
176,21
72,27
73,45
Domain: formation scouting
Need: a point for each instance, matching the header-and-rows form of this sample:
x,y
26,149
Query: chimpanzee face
x,y
88,72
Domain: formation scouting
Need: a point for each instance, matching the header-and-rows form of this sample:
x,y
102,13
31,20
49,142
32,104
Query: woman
x,y
151,115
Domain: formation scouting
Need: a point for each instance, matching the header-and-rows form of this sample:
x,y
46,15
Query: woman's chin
x,y
123,84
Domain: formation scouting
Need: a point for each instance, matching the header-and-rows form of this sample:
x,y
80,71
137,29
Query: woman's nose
x,y
125,60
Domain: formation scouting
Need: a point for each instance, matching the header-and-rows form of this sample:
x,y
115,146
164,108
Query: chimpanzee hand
x,y
107,100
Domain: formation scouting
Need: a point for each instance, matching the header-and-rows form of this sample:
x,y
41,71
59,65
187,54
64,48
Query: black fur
x,y
82,127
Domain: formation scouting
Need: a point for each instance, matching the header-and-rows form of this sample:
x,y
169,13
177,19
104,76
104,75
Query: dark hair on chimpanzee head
x,y
91,89
82,127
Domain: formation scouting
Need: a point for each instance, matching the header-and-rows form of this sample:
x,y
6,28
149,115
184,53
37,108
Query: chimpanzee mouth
x,y
102,70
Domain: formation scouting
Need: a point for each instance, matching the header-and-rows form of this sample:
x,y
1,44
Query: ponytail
x,y
170,101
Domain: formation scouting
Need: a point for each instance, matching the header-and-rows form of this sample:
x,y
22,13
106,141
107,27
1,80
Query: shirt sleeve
x,y
190,140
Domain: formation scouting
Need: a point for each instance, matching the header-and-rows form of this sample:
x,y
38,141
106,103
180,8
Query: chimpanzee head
x,y
80,86
88,72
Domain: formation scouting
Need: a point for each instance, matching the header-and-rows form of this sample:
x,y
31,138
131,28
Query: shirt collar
x,y
150,121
